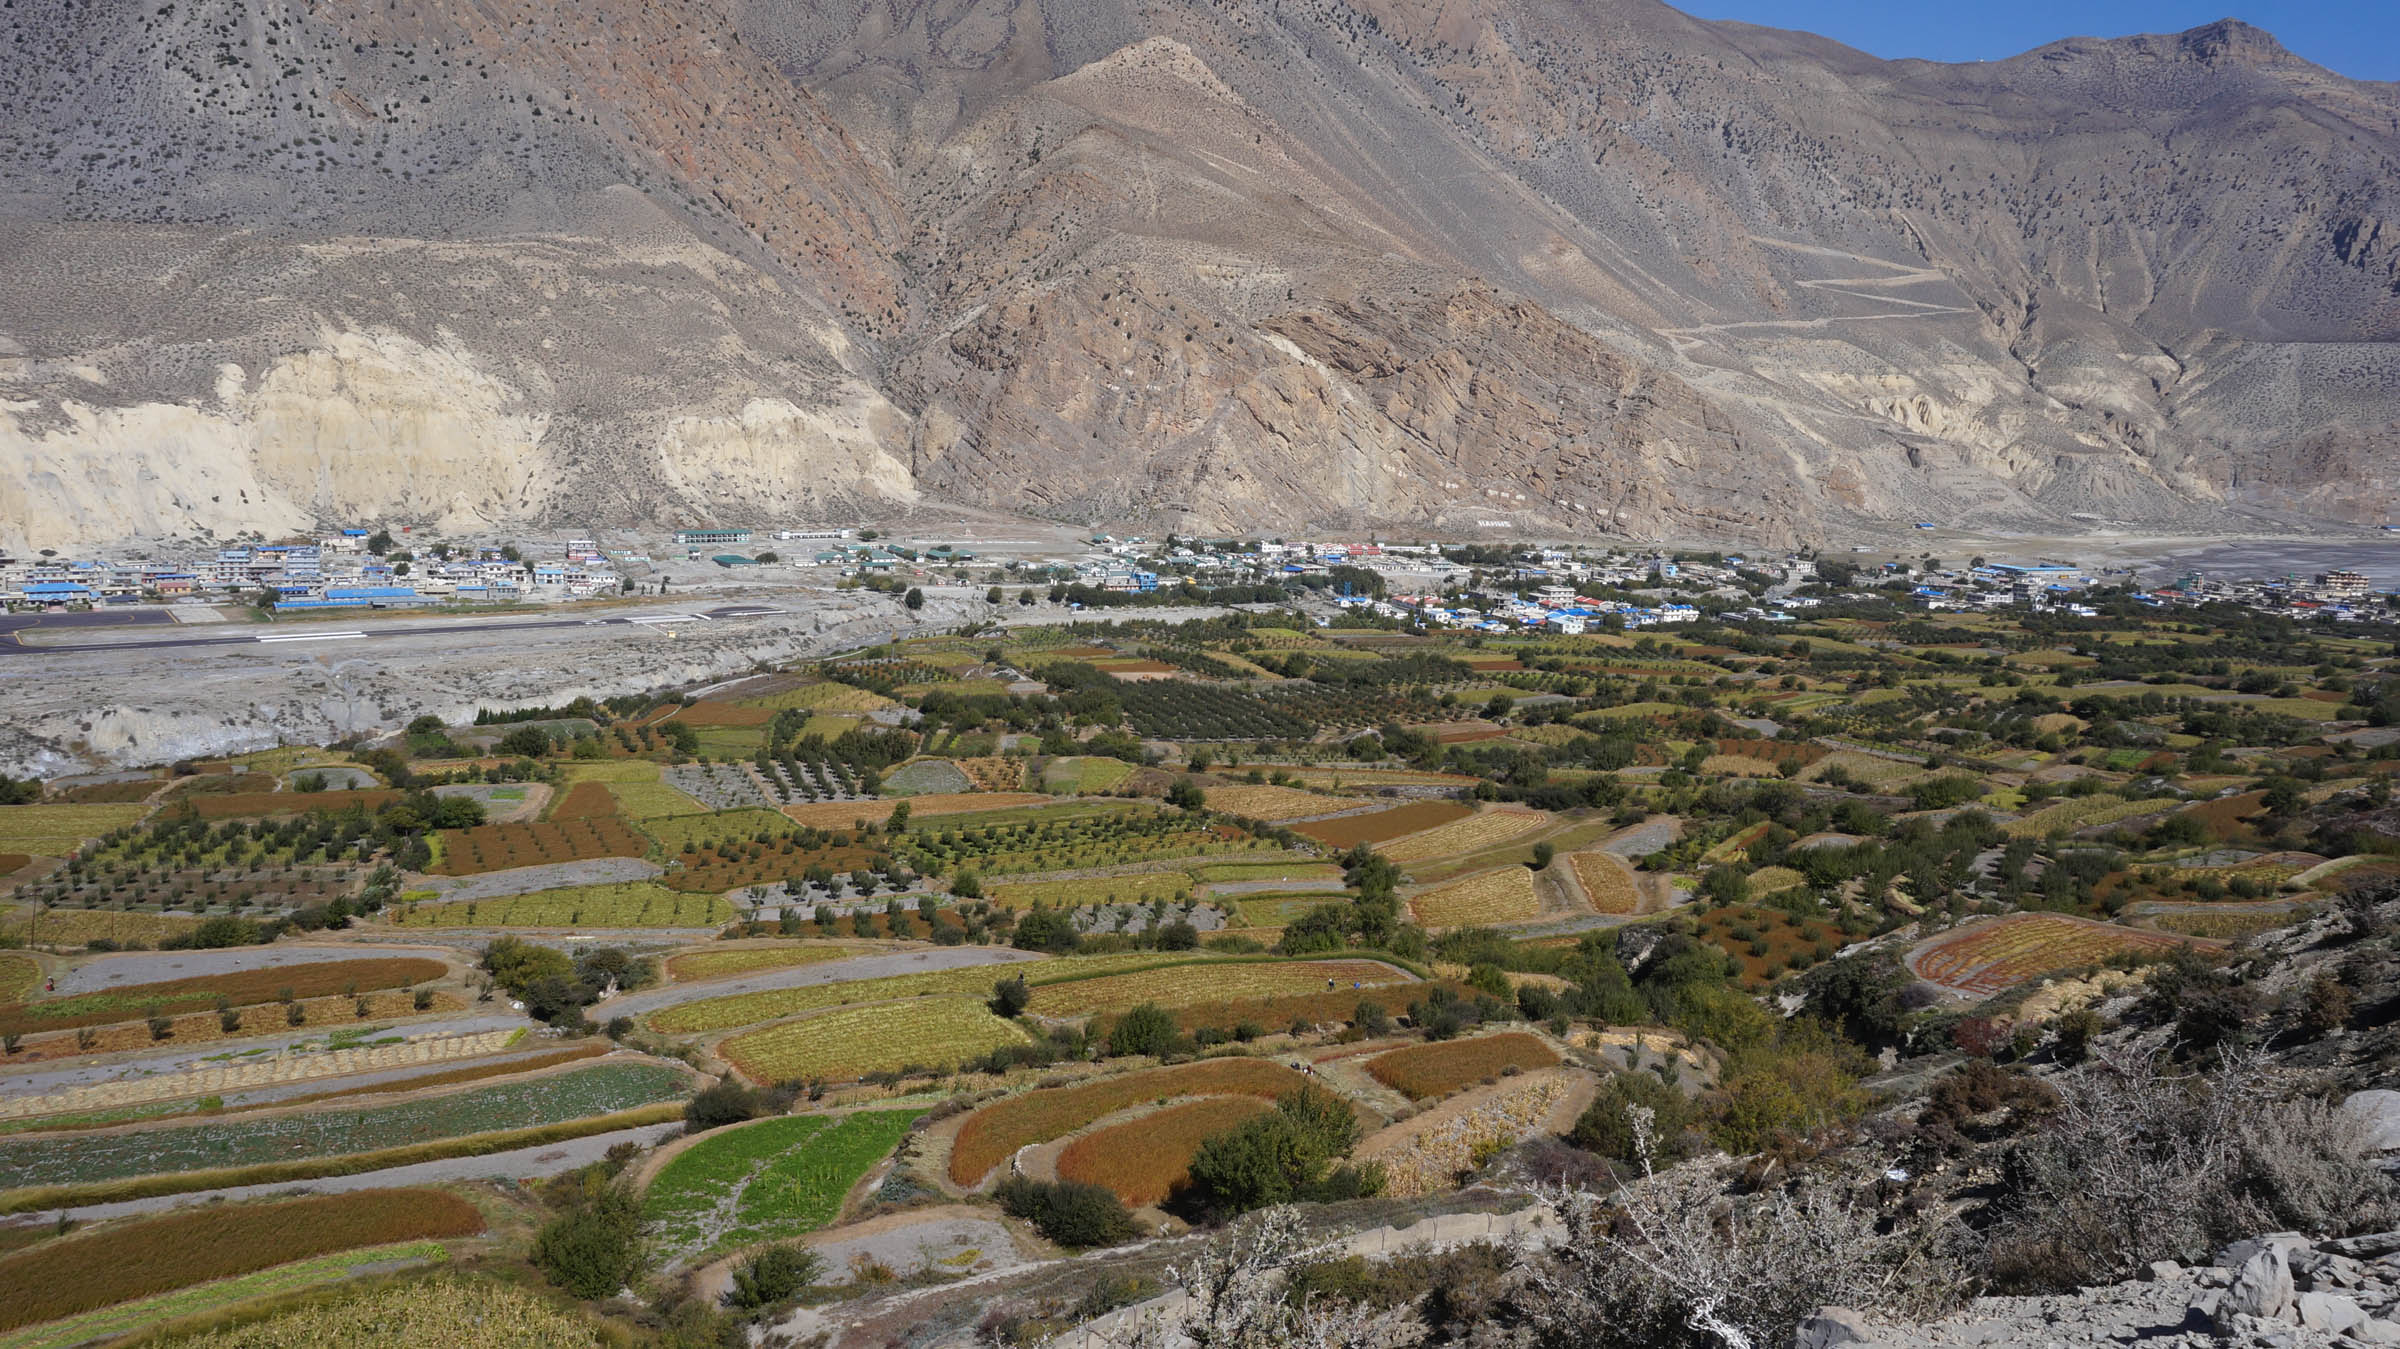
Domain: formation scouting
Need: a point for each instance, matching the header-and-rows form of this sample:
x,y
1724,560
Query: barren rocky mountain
x,y
1583,264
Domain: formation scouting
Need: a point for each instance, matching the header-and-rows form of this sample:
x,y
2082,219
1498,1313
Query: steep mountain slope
x,y
1590,265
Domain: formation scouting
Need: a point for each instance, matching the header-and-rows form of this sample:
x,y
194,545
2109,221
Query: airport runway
x,y
13,628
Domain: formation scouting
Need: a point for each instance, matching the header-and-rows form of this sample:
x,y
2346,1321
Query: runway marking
x,y
316,637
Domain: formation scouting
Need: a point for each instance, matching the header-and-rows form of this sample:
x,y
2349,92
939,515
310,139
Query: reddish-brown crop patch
x,y
999,1129
1420,1072
235,805
156,1255
1383,825
501,847
1144,1160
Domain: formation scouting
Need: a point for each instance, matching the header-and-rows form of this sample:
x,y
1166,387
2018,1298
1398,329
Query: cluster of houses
x,y
334,572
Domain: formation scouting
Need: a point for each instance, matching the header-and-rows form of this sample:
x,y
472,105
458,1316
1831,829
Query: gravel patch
x,y
552,876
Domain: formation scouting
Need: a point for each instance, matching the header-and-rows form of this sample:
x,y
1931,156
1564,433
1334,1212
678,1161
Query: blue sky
x,y
2359,38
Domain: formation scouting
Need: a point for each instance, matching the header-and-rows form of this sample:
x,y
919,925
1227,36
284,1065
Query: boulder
x,y
2379,1112
2329,1312
2262,1286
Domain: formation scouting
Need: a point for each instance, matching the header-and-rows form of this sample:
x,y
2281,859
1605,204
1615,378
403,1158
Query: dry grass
x,y
78,927
992,1134
451,1312
1259,801
1488,829
1607,882
1502,895
117,1264
55,831
1422,1072
1382,826
1144,1160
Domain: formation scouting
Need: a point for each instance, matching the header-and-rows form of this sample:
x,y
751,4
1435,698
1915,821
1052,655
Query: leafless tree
x,y
1233,1298
1672,1259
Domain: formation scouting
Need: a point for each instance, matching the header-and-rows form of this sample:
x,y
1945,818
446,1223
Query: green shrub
x,y
1071,1213
765,1278
595,1248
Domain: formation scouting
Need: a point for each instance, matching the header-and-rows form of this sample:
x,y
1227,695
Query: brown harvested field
x,y
709,712
503,847
1607,882
1383,825
992,1134
237,805
585,801
246,989
12,862
156,1255
1144,1160
843,814
2223,816
1421,1072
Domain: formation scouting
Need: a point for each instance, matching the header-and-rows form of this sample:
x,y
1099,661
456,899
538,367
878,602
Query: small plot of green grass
x,y
767,1181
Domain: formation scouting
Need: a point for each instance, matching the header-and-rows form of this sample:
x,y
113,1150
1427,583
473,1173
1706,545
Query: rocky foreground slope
x,y
1526,262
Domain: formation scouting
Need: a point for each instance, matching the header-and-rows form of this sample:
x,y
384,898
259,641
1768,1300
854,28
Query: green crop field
x,y
766,1181
652,799
623,904
674,831
55,831
598,1090
850,1042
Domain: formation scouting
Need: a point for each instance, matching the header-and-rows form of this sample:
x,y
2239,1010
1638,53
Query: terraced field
x,y
1501,895
624,904
1145,1160
1181,985
1382,826
1429,1071
996,1131
766,1181
598,1090
1488,829
848,1043
1990,957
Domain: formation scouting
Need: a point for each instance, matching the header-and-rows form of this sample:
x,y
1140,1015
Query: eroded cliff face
x,y
1313,262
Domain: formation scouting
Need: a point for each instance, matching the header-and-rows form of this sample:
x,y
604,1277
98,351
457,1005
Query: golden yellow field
x,y
1260,801
1497,896
850,1042
1183,985
1487,829
1607,882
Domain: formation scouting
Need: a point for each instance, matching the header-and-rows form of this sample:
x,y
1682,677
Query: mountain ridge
x,y
1589,268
